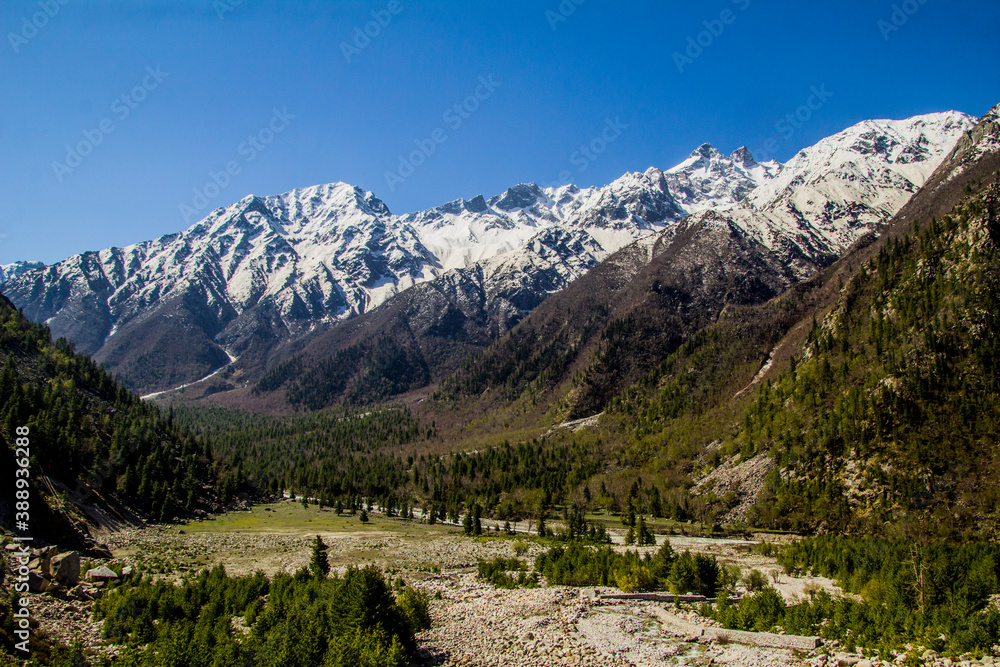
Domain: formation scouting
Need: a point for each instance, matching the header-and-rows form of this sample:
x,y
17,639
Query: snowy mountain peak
x,y
520,196
706,150
709,179
896,156
14,269
743,157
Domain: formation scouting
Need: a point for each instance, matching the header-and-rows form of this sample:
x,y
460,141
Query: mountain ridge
x,y
265,270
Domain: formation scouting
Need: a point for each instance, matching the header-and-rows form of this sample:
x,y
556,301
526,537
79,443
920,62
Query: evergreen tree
x,y
646,537
319,565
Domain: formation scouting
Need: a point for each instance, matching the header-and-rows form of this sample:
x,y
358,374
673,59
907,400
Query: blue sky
x,y
116,115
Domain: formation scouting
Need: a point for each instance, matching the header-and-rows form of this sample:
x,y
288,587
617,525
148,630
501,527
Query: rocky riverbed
x,y
474,624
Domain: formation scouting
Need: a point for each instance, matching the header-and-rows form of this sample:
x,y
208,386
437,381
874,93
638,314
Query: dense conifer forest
x,y
92,441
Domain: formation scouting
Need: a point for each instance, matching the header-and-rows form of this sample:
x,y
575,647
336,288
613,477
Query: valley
x,y
789,423
520,627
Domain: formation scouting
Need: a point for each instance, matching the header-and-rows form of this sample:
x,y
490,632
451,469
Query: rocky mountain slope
x,y
14,269
615,324
862,399
96,454
268,271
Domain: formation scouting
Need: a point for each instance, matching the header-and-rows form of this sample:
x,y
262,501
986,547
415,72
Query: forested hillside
x,y
97,453
867,396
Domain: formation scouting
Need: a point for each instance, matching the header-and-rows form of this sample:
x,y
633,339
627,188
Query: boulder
x,y
65,568
101,574
41,566
37,583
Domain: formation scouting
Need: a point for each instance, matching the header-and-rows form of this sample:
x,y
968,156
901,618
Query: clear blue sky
x,y
225,66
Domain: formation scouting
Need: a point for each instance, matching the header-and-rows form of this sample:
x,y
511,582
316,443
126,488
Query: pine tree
x,y
319,566
364,516
646,537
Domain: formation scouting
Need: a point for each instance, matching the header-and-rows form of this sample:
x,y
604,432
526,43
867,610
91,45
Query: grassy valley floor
x,y
473,622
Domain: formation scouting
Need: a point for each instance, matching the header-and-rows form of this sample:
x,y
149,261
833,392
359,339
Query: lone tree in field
x,y
319,565
364,516
646,537
467,523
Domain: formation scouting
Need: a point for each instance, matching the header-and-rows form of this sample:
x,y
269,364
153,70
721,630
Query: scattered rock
x,y
65,568
40,565
37,583
102,574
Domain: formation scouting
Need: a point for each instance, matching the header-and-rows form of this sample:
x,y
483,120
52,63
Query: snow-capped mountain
x,y
14,269
828,195
267,269
707,179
